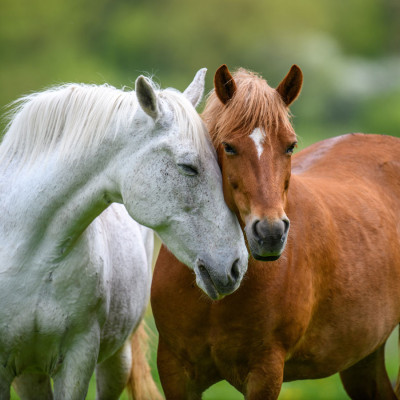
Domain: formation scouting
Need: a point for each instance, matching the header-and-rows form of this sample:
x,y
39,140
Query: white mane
x,y
74,118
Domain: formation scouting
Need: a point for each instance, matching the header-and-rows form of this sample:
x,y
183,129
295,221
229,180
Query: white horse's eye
x,y
188,169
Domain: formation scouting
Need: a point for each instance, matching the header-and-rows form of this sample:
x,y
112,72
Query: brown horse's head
x,y
249,124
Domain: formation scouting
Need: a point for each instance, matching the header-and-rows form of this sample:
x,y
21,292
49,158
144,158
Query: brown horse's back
x,y
331,299
350,156
350,219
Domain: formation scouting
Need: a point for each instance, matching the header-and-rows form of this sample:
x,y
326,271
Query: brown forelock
x,y
254,105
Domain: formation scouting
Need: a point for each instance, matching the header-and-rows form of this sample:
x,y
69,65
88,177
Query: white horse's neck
x,y
54,202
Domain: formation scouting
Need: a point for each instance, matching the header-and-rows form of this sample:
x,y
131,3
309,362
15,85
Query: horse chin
x,y
210,290
260,254
215,296
265,258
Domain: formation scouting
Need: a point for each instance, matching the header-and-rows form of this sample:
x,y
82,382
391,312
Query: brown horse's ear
x,y
291,84
225,86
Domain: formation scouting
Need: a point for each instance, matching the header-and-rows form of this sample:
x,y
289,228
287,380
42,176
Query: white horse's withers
x,y
73,286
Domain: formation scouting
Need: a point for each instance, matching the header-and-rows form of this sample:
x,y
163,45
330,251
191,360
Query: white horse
x,y
72,286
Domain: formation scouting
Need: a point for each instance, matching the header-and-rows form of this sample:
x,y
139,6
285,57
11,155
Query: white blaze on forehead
x,y
258,136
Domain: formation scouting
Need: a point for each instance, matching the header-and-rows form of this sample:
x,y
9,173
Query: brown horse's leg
x,y
368,379
264,381
175,380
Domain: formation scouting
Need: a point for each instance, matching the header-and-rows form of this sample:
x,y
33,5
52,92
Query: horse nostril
x,y
235,271
286,224
255,230
280,228
263,230
205,274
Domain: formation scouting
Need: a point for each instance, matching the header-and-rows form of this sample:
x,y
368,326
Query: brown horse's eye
x,y
290,149
229,149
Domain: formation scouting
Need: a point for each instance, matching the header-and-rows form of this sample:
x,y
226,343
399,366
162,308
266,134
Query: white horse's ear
x,y
146,96
194,92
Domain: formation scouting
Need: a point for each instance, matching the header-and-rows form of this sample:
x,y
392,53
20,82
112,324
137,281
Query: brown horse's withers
x,y
328,217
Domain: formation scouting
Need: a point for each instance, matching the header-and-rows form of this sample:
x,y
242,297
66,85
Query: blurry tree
x,y
339,45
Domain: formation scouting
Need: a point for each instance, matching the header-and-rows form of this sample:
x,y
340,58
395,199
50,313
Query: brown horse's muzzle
x,y
267,238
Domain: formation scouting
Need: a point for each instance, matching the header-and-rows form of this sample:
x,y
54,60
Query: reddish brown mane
x,y
254,105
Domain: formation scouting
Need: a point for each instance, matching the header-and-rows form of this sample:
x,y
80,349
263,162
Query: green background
x,y
349,51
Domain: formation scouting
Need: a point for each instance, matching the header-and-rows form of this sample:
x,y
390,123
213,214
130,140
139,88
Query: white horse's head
x,y
173,185
148,149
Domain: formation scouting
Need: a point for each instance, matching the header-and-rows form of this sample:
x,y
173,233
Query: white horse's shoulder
x,y
128,271
123,232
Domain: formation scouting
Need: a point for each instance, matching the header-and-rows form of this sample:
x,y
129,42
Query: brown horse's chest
x,y
241,330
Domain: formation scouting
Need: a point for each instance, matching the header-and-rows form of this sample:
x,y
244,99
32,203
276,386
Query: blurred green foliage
x,y
348,50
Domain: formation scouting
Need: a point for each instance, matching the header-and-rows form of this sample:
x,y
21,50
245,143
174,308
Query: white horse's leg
x,y
4,391
5,381
31,386
113,373
71,382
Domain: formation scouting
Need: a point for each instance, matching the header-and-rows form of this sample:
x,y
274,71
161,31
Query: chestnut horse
x,y
328,296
